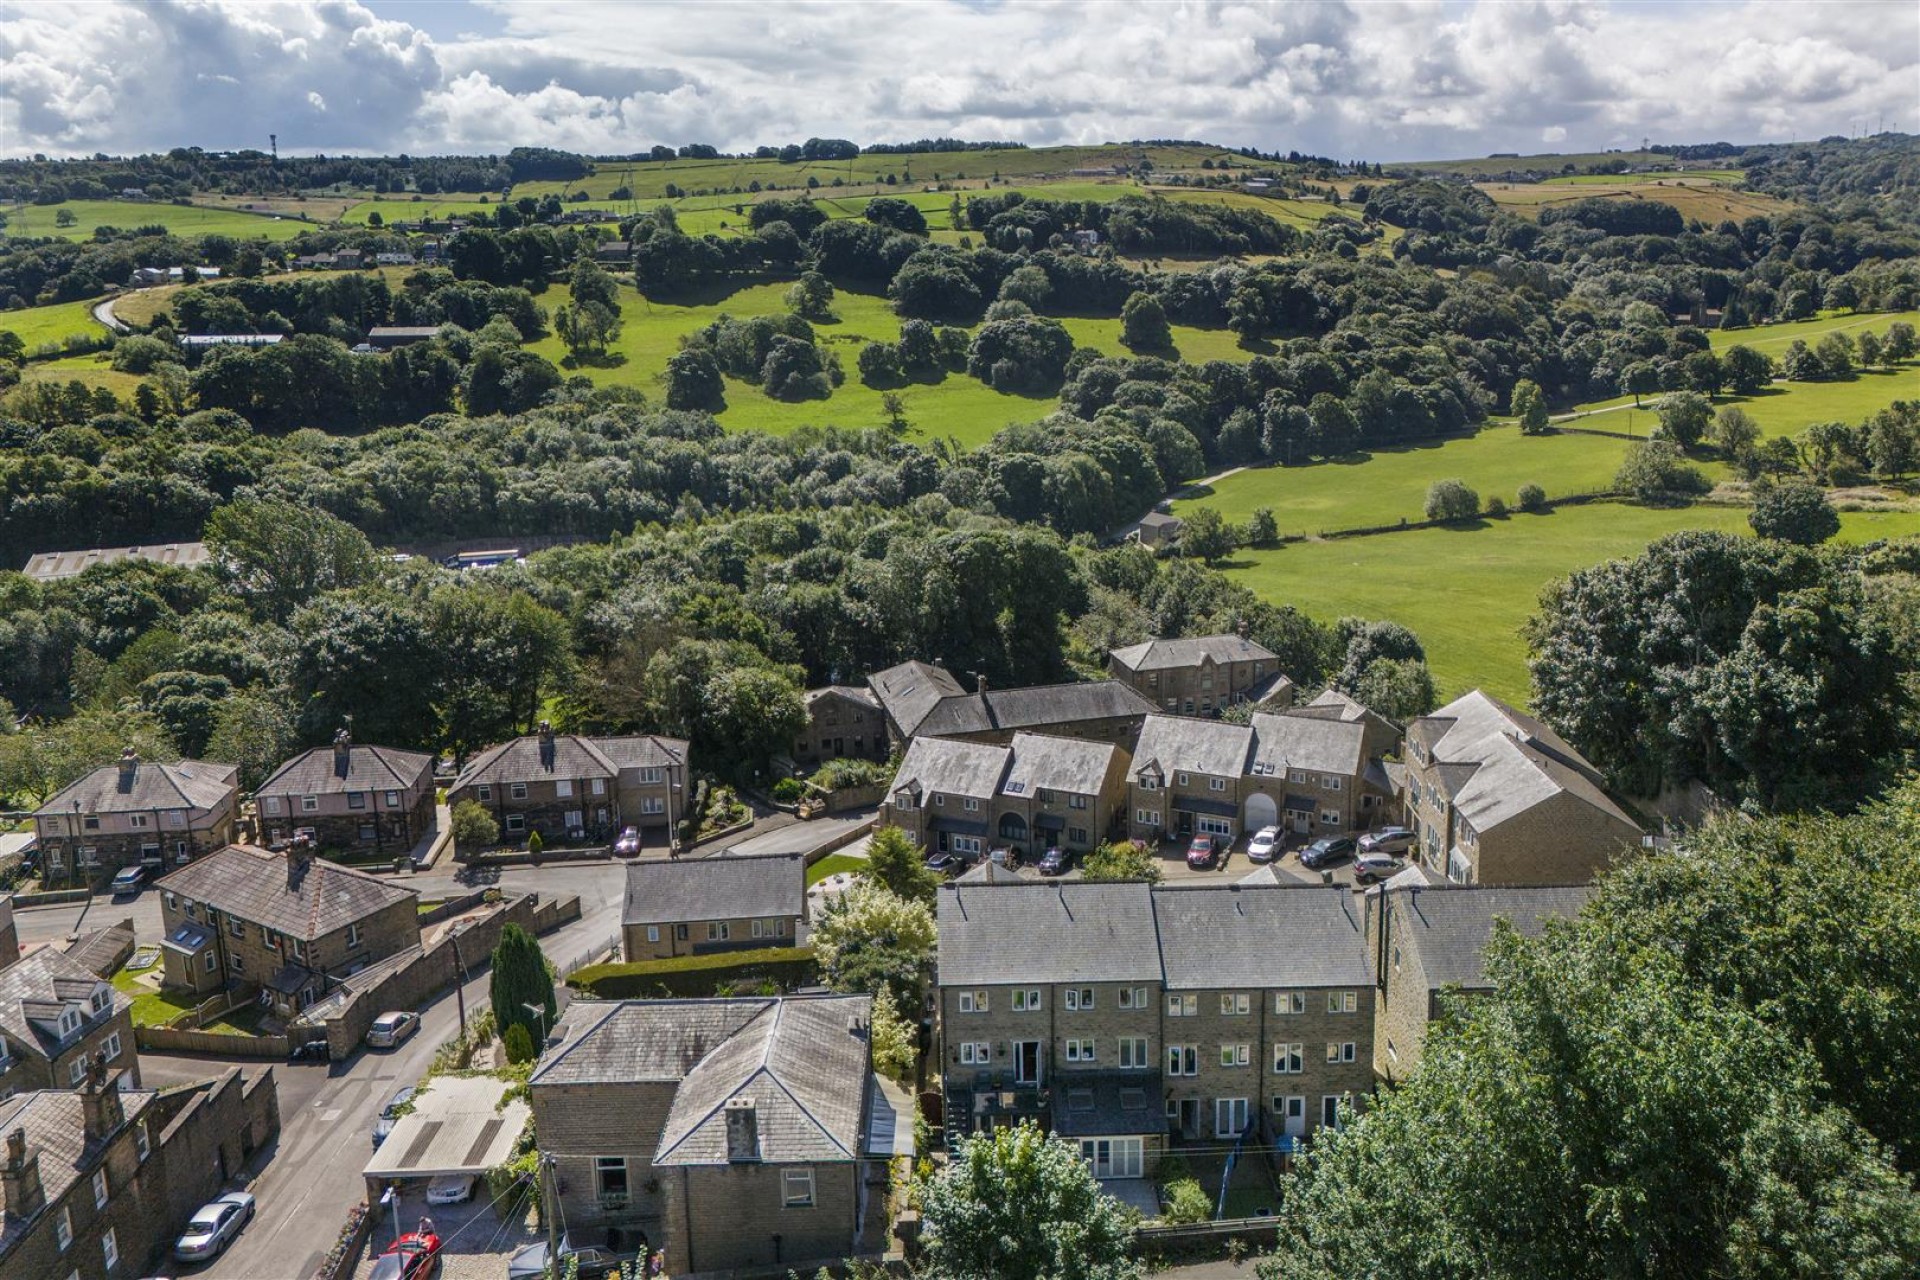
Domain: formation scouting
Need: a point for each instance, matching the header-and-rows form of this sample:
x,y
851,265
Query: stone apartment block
x,y
136,813
350,797
561,784
1202,675
289,923
1495,797
1427,941
1036,792
844,722
1312,771
56,1018
922,701
98,1182
699,906
1134,1018
732,1134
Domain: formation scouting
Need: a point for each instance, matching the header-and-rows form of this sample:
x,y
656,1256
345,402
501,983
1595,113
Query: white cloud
x,y
1383,79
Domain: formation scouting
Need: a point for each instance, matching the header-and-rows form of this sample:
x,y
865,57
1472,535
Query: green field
x,y
96,370
1467,591
1668,175
183,220
39,326
1776,338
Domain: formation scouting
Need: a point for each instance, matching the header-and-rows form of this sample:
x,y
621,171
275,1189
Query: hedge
x,y
741,971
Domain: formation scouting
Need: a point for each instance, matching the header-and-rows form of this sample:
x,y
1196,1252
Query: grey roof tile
x,y
1289,741
56,1128
187,784
956,768
1060,932
1497,763
1057,764
259,887
720,888
46,980
909,691
369,768
1034,707
1177,743
1298,935
1449,925
1160,655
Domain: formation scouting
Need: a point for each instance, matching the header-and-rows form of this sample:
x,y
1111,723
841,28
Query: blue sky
x,y
1379,79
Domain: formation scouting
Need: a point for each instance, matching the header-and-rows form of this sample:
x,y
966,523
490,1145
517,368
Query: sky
x,y
1355,79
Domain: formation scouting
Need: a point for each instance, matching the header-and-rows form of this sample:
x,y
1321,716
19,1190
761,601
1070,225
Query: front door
x,y
1026,1062
1189,1117
1293,1116
1302,821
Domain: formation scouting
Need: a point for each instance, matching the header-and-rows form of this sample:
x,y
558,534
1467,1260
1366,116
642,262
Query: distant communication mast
x,y
273,140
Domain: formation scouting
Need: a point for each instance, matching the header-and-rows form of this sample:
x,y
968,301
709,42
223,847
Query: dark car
x,y
1325,850
1201,852
531,1262
1056,861
391,1113
945,864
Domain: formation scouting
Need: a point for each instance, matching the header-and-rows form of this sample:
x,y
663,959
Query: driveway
x,y
801,837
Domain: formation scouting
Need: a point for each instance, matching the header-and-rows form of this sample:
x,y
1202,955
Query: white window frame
x,y
1216,784
309,804
1287,1003
974,1002
1133,998
1183,1059
1182,1006
1080,999
63,1229
516,822
1081,1049
1340,1051
1235,1004
653,933
110,1248
1026,1000
1236,1055
719,931
1147,817
1342,1001
1228,1110
353,934
111,1046
1289,1059
483,791
1134,1053
99,1188
976,1053
516,791
792,1196
563,787
599,786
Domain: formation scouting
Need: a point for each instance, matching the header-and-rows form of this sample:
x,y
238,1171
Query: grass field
x,y
1467,591
96,370
1670,175
1707,199
38,326
1776,338
183,220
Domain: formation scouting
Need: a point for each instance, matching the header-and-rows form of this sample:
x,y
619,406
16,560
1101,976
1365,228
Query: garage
x,y
1260,812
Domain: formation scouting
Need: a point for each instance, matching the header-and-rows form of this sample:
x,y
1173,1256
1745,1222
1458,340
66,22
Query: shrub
x,y
697,976
1496,506
1452,500
474,827
518,1044
1657,471
534,843
1186,1202
1531,498
788,790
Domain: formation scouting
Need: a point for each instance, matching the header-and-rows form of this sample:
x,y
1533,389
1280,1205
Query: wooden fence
x,y
178,1040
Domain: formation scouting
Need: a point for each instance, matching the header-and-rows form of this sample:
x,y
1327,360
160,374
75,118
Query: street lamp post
x,y
539,1011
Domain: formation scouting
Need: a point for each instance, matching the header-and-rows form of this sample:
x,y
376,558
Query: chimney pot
x,y
129,767
24,1195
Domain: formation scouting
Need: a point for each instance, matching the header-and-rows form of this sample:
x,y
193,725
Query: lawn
x,y
832,865
95,370
182,220
1774,339
1467,591
46,326
156,1008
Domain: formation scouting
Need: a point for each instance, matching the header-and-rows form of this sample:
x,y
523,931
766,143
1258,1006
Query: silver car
x,y
1387,840
389,1029
213,1227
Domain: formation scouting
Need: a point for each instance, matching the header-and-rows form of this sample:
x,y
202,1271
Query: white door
x,y
1293,1116
1229,1117
1302,821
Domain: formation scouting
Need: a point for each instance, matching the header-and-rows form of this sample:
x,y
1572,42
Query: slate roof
x,y
101,951
1047,932
1057,764
1034,707
1176,743
723,888
956,768
803,1060
853,693
1233,936
48,979
1308,742
1099,1105
55,1122
643,751
188,784
910,690
369,768
1160,655
1449,925
571,756
255,885
1496,762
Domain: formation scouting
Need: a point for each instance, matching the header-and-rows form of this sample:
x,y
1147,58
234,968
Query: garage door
x,y
1261,811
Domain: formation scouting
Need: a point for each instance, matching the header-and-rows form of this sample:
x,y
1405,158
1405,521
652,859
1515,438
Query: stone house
x,y
921,700
1157,529
1202,675
563,785
349,796
136,813
290,923
1424,940
56,1016
729,1133
907,692
698,906
98,1182
843,722
1039,791
1496,797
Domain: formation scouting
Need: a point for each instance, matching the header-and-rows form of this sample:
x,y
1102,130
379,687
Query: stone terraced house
x,y
350,797
1202,675
137,813
560,784
1038,791
56,1017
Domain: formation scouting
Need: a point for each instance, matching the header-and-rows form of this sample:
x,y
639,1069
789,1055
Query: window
x,y
110,1249
1216,784
1133,997
1235,1055
483,793
1182,1006
756,928
1232,1004
1183,1060
973,1002
719,931
1341,1002
173,903
1077,835
99,1188
271,806
1112,1157
1330,1111
905,801
970,804
1149,783
516,791
236,963
796,1188
137,820
653,804
1289,1059
1076,802
99,1002
653,933
1026,1000
976,1054
1080,1050
1133,1053
1289,1002
680,932
353,935
1330,817
356,799
1330,783
653,777
63,1228
1080,998
212,961
393,799
1183,777
309,803
1297,775
610,1177
516,822
599,786
1146,817
1340,1051
563,787
111,1047
141,1141
238,928
1229,1117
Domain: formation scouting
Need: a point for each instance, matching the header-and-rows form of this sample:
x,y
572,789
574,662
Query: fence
x,y
180,1040
591,956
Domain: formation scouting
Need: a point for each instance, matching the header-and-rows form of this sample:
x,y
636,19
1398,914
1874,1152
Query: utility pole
x,y
459,981
550,1199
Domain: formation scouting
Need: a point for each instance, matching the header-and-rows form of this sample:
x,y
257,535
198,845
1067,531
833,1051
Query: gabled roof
x,y
306,902
569,756
852,693
1288,741
1296,935
38,986
910,690
1176,743
1160,655
55,1121
803,1060
1038,706
1449,925
1496,763
369,768
956,768
643,751
1068,931
721,888
1057,764
188,784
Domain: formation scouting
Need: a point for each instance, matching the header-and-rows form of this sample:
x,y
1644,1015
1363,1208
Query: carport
x,y
457,1126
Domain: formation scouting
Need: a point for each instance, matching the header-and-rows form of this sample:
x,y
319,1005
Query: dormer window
x,y
100,1000
69,1021
1149,782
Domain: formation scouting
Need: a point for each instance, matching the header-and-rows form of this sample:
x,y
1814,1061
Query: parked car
x,y
945,864
1325,850
389,1029
531,1262
1201,851
628,845
129,880
450,1188
411,1257
1265,845
1056,861
213,1227
390,1114
1369,866
1387,840
1008,858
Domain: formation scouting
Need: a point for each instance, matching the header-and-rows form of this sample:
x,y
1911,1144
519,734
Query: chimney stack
x,y
546,744
342,753
24,1194
743,1131
100,1099
129,766
299,854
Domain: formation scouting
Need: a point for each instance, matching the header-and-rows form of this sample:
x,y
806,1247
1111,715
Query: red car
x,y
1201,851
411,1257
